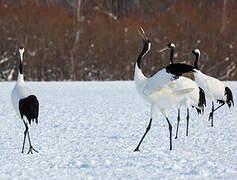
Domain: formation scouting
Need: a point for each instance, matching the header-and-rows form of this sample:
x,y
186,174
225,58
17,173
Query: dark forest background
x,y
98,39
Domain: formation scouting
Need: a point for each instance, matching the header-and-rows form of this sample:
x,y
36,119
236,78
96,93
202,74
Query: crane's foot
x,y
31,149
136,150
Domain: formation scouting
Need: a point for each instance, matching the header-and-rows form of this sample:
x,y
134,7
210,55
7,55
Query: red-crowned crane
x,y
214,89
196,98
158,89
25,103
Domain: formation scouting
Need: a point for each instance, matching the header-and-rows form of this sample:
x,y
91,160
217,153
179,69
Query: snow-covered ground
x,y
88,130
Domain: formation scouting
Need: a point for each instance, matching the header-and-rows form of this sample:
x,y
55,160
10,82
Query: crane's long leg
x,y
147,129
211,113
218,107
170,129
178,119
31,147
25,132
187,121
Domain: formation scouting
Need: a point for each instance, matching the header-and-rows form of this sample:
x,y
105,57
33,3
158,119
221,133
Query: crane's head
x,y
169,46
21,49
143,35
196,52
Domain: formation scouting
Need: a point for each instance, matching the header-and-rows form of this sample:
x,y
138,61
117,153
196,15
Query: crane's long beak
x,y
164,49
141,32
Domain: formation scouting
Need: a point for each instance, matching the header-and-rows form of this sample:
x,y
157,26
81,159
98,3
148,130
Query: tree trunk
x,y
223,20
77,30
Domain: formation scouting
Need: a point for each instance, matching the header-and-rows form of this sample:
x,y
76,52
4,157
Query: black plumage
x,y
202,99
29,107
178,69
229,97
144,50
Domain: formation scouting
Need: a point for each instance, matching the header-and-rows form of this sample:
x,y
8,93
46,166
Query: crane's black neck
x,y
21,65
144,51
196,61
171,55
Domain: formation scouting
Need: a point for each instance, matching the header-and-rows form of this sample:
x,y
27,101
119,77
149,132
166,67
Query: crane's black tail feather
x,y
29,107
201,102
229,97
202,99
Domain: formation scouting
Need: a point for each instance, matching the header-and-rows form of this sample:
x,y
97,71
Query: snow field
x,y
88,130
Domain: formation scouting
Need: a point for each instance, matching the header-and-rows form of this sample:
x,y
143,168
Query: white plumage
x,y
159,90
24,102
148,86
213,87
192,98
19,92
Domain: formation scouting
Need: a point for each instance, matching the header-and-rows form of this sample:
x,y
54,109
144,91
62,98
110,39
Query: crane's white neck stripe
x,y
149,47
172,45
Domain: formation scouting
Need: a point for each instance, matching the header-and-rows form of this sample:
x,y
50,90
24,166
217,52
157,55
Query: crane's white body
x,y
20,91
160,90
214,88
192,98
